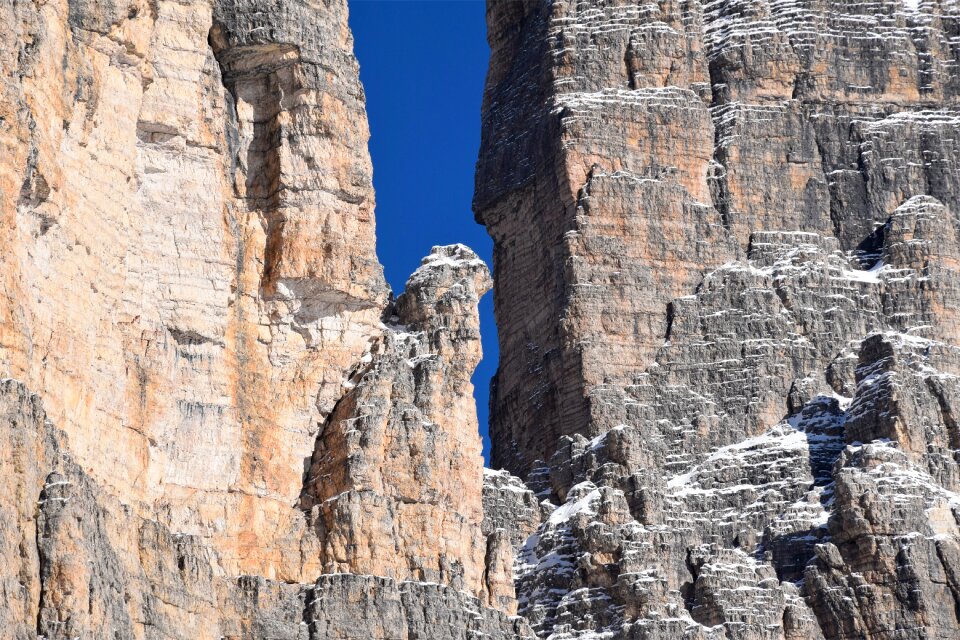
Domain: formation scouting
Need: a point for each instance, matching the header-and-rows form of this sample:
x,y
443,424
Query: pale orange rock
x,y
191,284
189,360
399,458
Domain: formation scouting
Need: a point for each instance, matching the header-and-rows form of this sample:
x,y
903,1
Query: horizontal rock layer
x,y
725,239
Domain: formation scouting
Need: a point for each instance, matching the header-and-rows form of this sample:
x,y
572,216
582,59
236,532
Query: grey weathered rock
x,y
726,249
509,505
368,607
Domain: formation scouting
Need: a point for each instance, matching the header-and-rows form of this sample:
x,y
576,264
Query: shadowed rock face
x,y
726,279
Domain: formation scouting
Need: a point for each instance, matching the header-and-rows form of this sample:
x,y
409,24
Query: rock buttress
x,y
395,482
190,272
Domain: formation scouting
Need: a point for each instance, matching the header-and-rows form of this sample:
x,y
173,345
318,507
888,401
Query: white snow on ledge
x,y
437,251
871,275
570,509
782,437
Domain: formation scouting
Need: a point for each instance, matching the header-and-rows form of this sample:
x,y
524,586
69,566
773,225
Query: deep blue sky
x,y
423,65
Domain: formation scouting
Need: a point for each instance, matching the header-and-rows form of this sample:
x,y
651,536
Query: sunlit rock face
x,y
215,420
81,564
398,461
190,271
726,285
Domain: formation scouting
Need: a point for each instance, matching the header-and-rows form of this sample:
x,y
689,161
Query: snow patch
x,y
571,509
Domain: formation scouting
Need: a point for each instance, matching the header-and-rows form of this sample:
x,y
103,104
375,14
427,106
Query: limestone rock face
x,y
725,240
80,564
190,269
399,458
727,251
215,420
83,564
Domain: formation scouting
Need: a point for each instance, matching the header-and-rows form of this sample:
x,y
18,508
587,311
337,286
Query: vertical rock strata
x,y
215,420
190,273
726,254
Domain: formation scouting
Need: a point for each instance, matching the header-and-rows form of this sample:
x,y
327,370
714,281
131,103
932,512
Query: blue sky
x,y
423,65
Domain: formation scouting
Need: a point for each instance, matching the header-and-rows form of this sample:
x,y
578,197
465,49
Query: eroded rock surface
x,y
399,459
237,432
189,265
726,280
727,247
80,564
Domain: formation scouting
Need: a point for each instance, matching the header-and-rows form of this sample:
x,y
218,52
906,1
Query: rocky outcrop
x,y
237,432
725,247
399,458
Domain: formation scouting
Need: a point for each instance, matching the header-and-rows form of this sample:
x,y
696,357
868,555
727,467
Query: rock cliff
x,y
726,289
727,274
217,422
